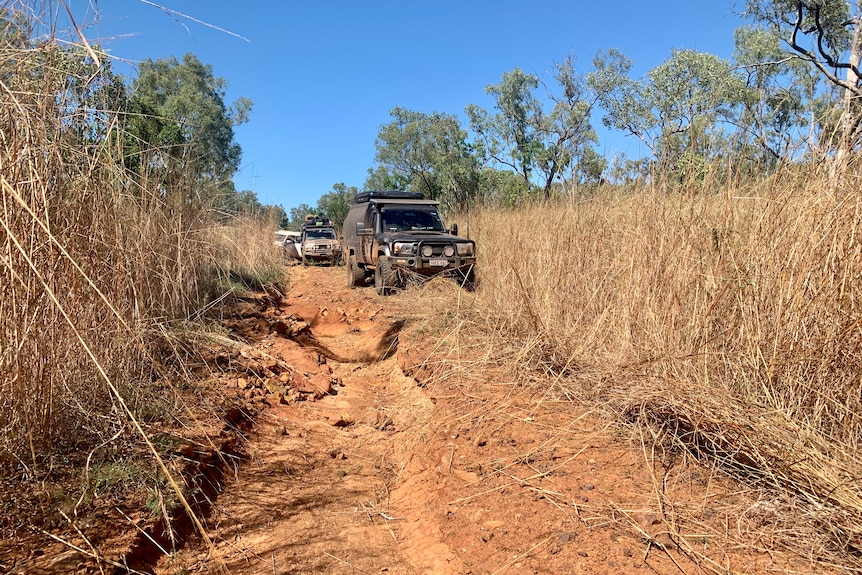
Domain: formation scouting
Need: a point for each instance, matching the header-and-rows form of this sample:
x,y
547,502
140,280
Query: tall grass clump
x,y
246,259
97,262
729,321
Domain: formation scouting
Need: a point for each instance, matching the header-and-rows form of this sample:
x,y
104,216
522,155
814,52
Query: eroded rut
x,y
314,494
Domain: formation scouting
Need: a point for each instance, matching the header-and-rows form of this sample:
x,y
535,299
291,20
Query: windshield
x,y
324,234
405,219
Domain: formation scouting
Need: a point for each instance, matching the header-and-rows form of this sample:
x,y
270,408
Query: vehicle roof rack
x,y
387,195
317,223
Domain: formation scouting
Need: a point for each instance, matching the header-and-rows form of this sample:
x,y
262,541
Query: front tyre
x,y
355,274
385,278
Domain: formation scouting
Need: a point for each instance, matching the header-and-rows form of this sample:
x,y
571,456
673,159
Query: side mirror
x,y
454,230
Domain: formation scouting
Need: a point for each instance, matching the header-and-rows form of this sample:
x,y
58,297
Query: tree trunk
x,y
849,119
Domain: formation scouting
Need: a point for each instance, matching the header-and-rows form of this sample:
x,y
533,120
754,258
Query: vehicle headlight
x,y
427,251
449,251
402,249
465,249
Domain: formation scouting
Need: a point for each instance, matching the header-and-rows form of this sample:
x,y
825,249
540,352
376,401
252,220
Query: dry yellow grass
x,y
96,265
728,324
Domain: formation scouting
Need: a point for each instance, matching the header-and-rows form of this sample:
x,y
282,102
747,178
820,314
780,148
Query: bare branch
x,y
826,63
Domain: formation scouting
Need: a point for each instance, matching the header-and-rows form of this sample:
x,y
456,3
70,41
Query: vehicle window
x,y
398,219
326,234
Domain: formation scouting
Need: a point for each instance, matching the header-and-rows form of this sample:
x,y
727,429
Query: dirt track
x,y
405,474
365,455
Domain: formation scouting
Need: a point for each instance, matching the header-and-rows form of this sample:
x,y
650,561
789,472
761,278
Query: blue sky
x,y
323,75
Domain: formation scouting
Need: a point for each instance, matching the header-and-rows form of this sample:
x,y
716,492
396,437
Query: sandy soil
x,y
355,452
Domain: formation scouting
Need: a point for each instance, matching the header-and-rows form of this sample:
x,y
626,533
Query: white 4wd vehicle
x,y
320,243
289,243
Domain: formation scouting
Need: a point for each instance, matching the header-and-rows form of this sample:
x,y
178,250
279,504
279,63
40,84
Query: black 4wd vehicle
x,y
396,234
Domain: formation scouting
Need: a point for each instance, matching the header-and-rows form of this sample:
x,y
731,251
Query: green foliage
x,y
566,132
502,188
382,178
151,141
14,30
430,153
827,25
538,145
826,35
691,92
334,204
624,170
778,99
162,499
590,167
92,93
509,138
110,477
178,135
690,168
193,120
297,216
679,108
622,98
231,204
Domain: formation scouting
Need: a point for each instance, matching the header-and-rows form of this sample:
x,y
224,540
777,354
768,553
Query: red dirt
x,y
371,459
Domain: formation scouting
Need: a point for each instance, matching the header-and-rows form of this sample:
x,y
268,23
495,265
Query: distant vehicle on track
x,y
319,241
289,242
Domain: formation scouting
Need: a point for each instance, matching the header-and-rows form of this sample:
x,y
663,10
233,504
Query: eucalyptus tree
x,y
509,137
75,83
776,119
566,132
15,32
335,203
187,101
246,203
382,177
500,187
679,110
589,167
84,92
297,217
150,142
826,34
431,152
624,100
537,143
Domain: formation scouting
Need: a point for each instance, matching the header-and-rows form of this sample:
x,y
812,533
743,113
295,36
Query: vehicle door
x,y
367,240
